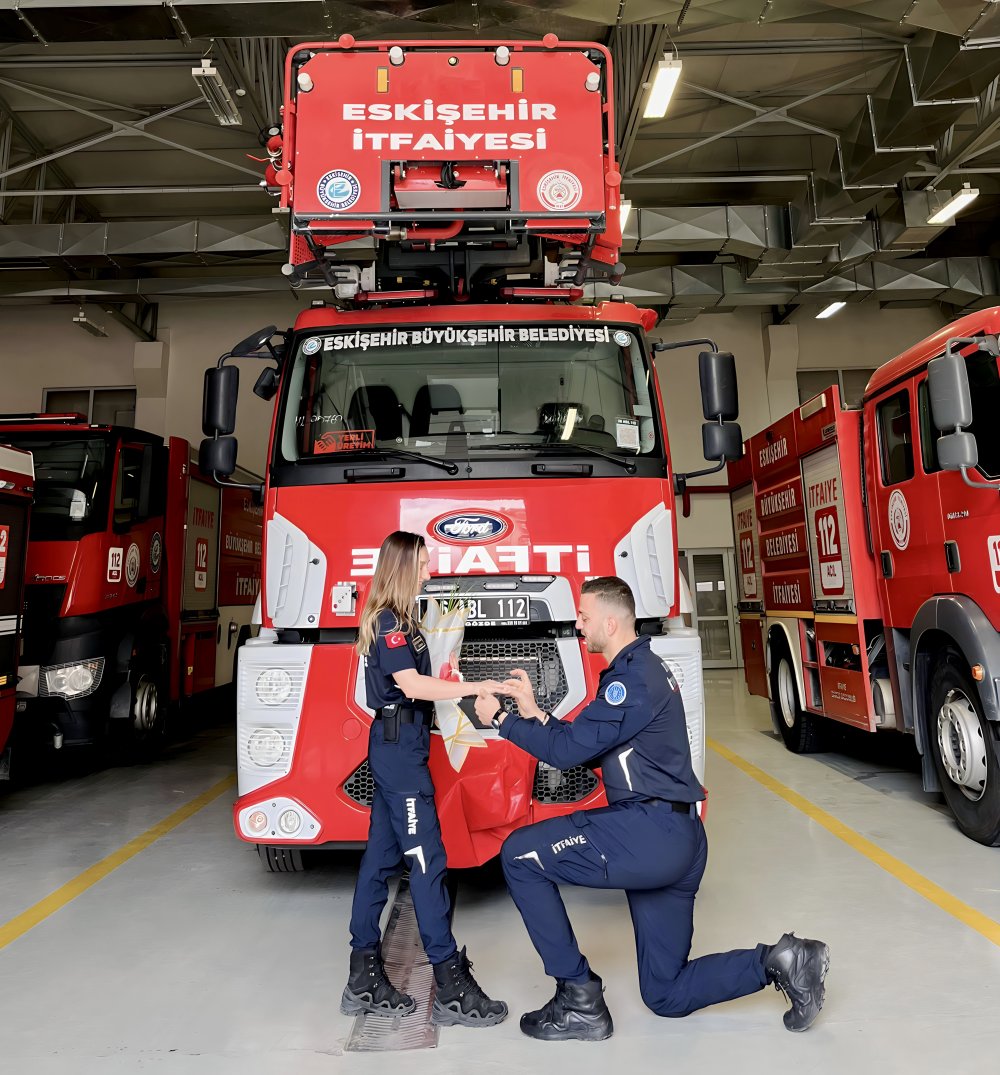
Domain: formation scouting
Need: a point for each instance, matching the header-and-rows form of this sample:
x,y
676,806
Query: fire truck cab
x,y
869,550
455,197
139,582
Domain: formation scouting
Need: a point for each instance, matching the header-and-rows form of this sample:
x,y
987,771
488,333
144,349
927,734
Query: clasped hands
x,y
518,687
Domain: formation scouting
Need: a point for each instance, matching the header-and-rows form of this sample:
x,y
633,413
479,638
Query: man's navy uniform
x,y
404,821
649,841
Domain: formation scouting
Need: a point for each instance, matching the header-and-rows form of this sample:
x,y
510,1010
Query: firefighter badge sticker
x,y
899,520
155,553
559,190
338,190
132,561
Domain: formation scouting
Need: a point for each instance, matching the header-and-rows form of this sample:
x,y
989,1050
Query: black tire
x,y
281,859
964,745
799,730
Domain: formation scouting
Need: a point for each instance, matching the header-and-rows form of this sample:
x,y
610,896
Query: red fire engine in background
x,y
140,581
455,196
868,542
16,483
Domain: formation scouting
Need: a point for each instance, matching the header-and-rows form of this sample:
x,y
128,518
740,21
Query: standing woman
x,y
404,821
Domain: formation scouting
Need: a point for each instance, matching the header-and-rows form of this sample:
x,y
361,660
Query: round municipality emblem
x,y
559,190
623,339
132,565
312,345
616,693
155,553
899,519
338,190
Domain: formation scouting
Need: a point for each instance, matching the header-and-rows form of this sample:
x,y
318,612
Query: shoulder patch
x,y
395,640
615,693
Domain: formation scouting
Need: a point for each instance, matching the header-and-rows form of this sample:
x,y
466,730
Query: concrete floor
x,y
190,959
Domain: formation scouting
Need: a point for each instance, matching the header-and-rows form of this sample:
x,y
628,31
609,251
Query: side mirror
x,y
957,451
252,344
722,441
218,456
266,385
720,400
218,408
948,388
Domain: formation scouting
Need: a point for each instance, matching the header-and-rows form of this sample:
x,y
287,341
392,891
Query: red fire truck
x,y
16,483
868,542
455,196
140,581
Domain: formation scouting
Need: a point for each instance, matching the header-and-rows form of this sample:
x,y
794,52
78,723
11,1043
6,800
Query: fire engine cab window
x,y
984,386
471,391
70,489
895,439
928,434
127,486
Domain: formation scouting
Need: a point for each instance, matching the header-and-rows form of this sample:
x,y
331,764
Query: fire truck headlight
x,y
273,686
290,822
266,747
257,822
73,680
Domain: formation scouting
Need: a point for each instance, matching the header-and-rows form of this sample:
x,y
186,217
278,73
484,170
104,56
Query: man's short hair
x,y
613,592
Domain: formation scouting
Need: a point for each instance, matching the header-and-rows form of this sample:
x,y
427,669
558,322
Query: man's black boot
x,y
576,1011
459,1000
798,968
369,989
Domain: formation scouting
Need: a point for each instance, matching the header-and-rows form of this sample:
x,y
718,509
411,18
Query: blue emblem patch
x,y
616,693
338,190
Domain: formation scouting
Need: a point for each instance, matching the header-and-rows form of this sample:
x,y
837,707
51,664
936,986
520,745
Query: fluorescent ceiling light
x,y
955,204
829,311
623,210
216,93
668,72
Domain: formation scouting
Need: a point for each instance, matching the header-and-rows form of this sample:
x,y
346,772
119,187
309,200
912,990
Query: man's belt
x,y
405,714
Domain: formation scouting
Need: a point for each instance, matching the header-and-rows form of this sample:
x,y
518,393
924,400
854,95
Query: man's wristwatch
x,y
495,722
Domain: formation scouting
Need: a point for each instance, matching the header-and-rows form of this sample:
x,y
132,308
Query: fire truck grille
x,y
551,785
494,659
360,785
563,786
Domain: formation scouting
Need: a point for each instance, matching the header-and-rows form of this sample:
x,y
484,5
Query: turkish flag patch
x,y
395,640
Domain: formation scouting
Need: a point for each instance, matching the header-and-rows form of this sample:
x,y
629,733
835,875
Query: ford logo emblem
x,y
470,527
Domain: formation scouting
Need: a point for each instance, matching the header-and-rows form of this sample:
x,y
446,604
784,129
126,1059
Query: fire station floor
x,y
178,953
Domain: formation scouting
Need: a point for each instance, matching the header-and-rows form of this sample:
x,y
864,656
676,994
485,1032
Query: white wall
x,y
44,349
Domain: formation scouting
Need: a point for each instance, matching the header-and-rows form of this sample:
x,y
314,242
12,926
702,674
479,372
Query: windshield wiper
x,y
397,453
559,449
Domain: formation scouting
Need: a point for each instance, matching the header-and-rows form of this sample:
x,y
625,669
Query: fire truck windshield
x,y
71,490
448,392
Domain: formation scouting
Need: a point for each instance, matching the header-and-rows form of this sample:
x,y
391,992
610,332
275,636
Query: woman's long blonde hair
x,y
396,580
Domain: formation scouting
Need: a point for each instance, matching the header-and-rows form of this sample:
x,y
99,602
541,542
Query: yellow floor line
x,y
18,926
965,914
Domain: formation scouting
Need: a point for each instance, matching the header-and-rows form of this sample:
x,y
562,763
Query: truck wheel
x,y
281,859
799,730
965,751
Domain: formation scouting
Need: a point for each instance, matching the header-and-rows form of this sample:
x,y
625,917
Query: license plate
x,y
493,611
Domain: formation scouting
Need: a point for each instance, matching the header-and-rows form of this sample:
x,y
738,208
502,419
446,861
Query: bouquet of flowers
x,y
443,627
